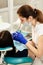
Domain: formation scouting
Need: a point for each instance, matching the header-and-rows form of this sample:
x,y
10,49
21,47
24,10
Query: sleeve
x,y
40,30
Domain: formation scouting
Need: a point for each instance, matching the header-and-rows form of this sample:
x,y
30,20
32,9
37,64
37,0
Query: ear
x,y
31,18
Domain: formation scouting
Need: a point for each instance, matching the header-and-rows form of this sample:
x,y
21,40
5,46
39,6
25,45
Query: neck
x,y
34,22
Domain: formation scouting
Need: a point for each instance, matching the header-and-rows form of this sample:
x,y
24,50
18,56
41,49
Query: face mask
x,y
30,23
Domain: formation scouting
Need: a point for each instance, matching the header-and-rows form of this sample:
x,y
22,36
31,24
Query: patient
x,y
6,41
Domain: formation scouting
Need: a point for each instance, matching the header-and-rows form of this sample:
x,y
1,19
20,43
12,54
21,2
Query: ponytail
x,y
38,15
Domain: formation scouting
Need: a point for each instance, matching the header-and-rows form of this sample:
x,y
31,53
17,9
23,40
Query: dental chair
x,y
15,61
12,60
3,52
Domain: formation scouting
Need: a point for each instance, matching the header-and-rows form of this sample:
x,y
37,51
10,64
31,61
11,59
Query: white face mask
x,y
27,26
30,23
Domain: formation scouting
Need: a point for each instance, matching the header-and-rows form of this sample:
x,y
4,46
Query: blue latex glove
x,y
19,37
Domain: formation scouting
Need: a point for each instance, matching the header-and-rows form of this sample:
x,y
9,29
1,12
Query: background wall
x,y
17,3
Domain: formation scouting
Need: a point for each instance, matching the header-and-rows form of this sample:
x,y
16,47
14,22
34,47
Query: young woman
x,y
35,17
6,41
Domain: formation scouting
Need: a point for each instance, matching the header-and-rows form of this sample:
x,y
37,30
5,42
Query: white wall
x,y
4,16
35,3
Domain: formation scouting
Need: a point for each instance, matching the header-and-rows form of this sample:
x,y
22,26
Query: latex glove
x,y
19,37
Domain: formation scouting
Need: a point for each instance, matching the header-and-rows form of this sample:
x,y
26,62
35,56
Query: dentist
x,y
35,17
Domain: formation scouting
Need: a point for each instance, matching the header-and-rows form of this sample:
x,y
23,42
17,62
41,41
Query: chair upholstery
x,y
12,60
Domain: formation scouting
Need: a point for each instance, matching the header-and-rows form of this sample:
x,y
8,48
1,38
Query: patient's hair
x,y
6,39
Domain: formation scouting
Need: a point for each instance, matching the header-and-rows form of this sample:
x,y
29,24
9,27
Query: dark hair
x,y
26,11
6,39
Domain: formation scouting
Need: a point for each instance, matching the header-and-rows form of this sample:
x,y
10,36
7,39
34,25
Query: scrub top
x,y
36,32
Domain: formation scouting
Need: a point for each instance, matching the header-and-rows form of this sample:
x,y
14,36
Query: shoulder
x,y
40,29
40,26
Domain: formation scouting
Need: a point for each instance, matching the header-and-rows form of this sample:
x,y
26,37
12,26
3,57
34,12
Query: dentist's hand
x,y
19,37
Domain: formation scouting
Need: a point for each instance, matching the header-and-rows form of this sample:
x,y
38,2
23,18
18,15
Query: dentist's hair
x,y
26,11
